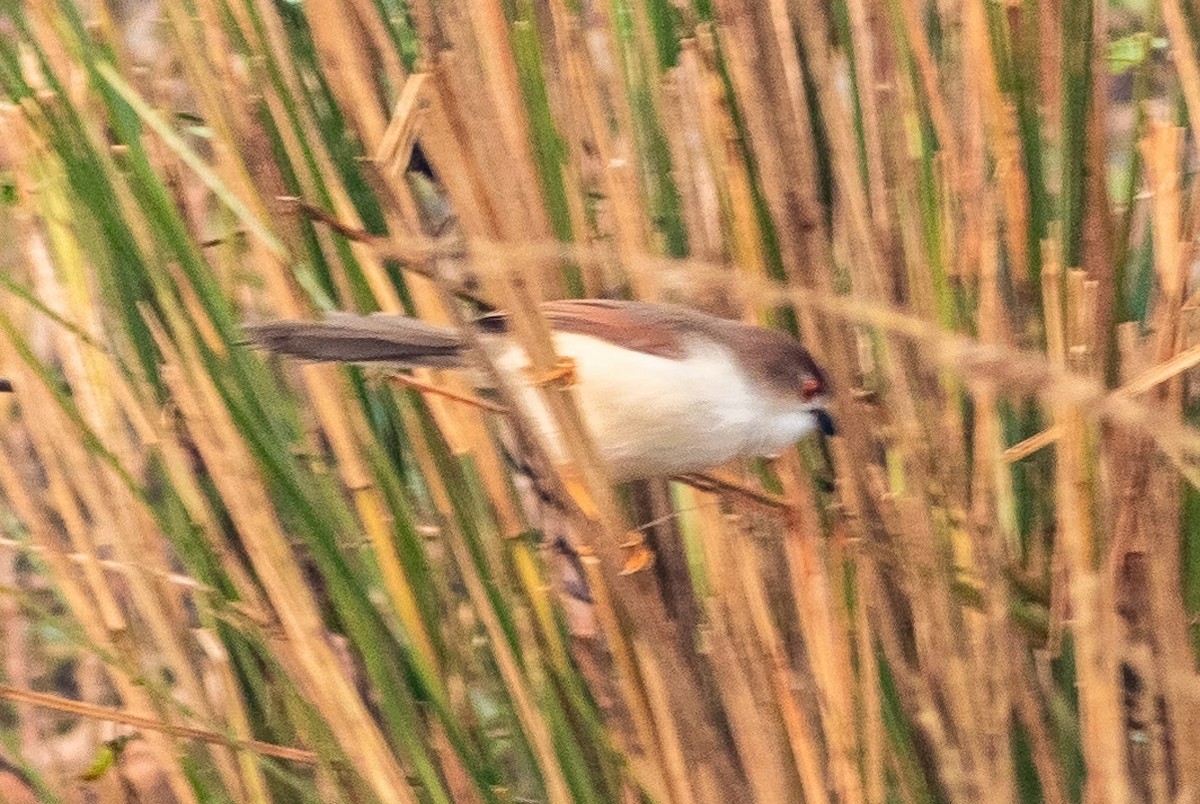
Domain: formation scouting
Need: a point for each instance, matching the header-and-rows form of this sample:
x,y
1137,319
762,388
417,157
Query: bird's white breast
x,y
653,416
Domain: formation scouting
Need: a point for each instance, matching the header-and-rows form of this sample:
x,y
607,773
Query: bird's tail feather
x,y
350,338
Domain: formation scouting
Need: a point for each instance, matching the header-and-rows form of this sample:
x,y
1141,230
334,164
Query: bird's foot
x,y
638,557
563,373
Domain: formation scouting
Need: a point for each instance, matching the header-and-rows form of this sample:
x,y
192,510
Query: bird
x,y
663,389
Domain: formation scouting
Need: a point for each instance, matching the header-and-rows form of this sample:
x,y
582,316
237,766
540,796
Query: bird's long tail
x,y
375,338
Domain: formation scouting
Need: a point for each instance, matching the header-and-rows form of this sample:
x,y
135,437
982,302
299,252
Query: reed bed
x,y
230,578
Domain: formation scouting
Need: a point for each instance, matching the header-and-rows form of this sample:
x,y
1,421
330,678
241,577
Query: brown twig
x,y
713,482
430,388
112,715
1030,445
417,253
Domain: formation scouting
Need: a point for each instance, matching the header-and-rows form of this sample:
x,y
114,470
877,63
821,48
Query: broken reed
x,y
995,600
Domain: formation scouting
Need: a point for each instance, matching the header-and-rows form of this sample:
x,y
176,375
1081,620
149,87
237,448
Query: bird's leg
x,y
638,556
564,372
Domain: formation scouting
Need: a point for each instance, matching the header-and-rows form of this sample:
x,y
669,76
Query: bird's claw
x,y
640,557
564,373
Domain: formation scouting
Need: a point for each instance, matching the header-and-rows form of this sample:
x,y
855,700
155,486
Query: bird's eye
x,y
810,388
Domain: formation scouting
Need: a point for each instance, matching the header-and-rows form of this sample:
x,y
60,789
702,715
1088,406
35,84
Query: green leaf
x,y
1128,52
106,757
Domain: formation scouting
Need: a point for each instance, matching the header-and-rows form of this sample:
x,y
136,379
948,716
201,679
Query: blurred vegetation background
x,y
227,578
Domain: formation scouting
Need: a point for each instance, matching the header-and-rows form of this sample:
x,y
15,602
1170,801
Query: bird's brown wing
x,y
655,329
772,356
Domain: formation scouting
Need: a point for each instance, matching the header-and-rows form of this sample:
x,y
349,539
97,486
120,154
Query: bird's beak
x,y
825,422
